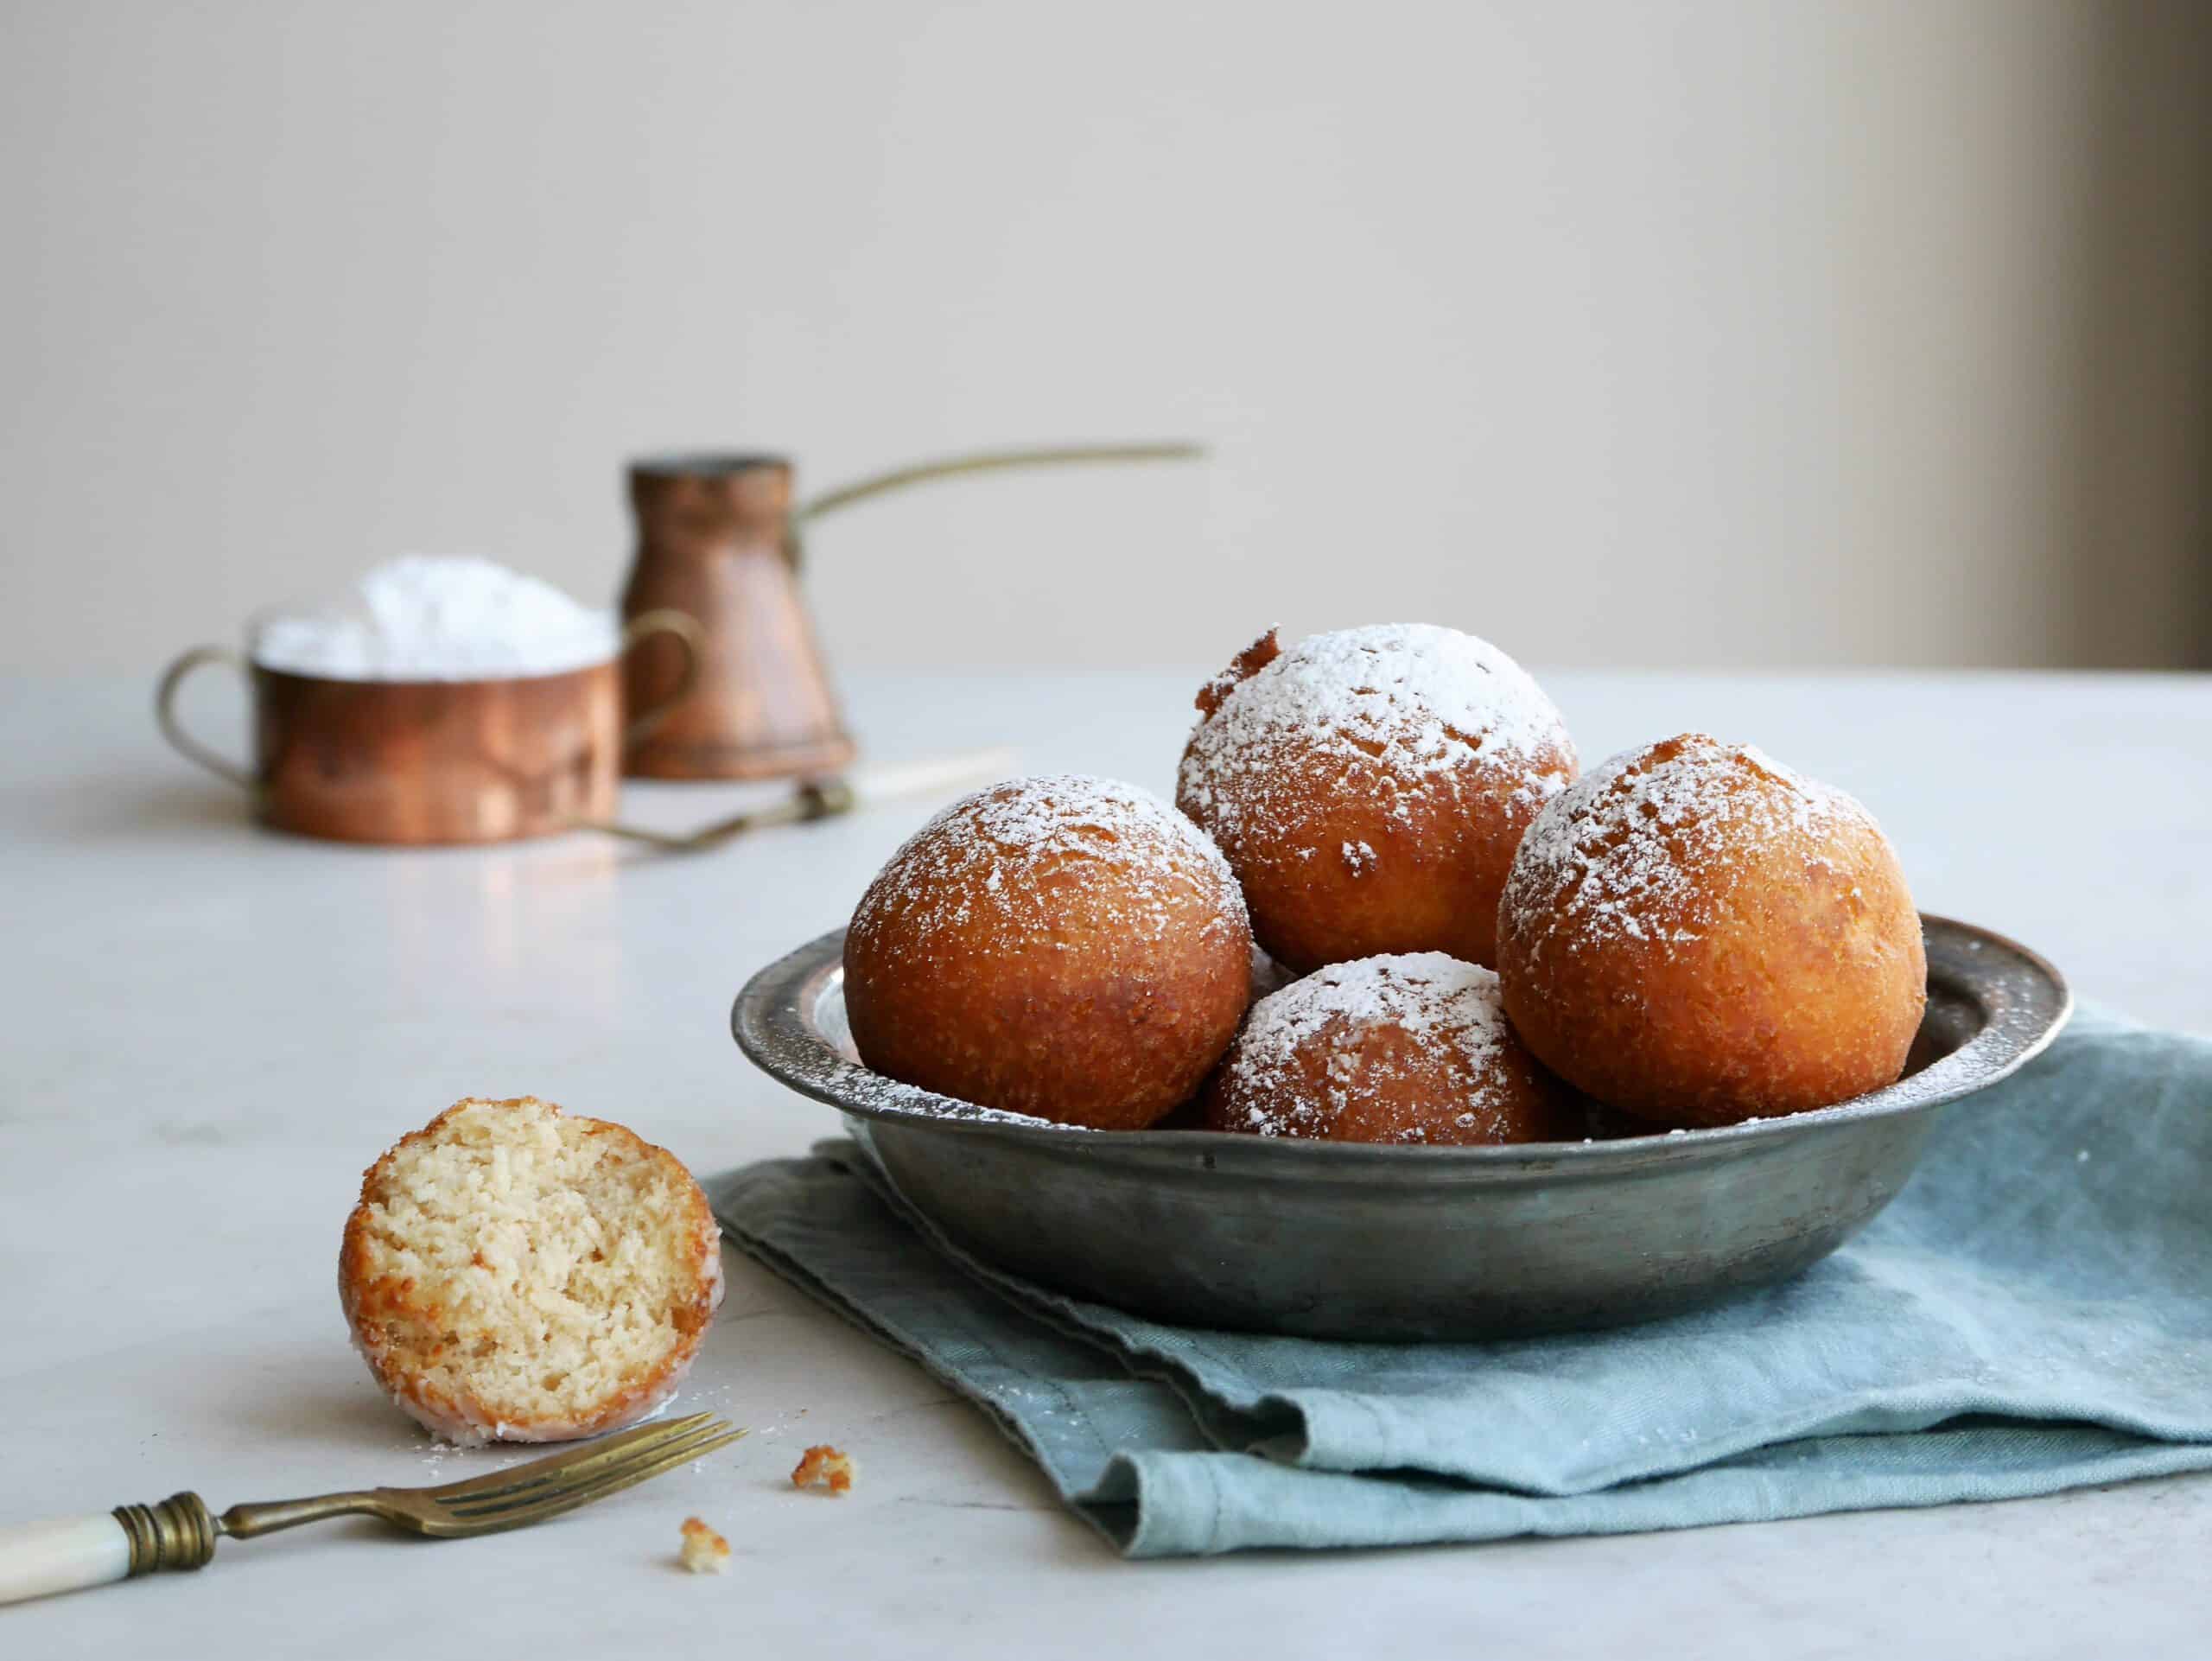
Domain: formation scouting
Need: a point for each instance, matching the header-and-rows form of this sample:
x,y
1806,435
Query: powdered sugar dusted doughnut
x,y
1696,933
1414,1048
1069,946
1370,787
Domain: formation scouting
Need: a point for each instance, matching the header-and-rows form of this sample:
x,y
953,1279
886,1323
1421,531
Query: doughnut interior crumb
x,y
704,1552
825,1466
518,1272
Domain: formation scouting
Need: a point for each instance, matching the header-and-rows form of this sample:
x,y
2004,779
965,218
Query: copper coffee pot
x,y
718,539
713,536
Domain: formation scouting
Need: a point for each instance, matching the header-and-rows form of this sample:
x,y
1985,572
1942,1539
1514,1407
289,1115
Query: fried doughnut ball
x,y
1068,947
1696,934
1411,1048
1370,787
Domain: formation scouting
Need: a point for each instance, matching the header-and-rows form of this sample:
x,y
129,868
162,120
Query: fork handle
x,y
265,1517
61,1554
68,1553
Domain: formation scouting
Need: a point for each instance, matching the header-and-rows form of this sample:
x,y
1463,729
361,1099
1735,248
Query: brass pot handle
x,y
950,467
182,741
693,638
947,467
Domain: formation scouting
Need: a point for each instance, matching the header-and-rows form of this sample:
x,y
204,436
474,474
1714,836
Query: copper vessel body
x,y
713,541
416,761
401,762
437,761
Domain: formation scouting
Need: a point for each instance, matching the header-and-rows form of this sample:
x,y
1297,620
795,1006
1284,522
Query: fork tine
x,y
553,1502
583,1475
683,1447
605,1450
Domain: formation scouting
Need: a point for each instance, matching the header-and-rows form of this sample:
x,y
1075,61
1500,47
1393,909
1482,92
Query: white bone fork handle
x,y
61,1554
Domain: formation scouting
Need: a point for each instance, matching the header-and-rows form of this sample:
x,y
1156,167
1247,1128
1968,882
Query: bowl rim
x,y
2023,1013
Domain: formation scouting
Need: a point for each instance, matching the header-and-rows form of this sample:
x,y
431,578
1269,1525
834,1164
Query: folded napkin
x,y
2033,1313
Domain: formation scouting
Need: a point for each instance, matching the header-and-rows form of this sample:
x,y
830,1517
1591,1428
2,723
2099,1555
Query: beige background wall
x,y
1695,334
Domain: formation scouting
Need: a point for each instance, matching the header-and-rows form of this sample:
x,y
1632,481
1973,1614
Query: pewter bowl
x,y
1325,1239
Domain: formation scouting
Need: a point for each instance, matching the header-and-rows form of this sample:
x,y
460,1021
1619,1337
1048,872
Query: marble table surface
x,y
210,1030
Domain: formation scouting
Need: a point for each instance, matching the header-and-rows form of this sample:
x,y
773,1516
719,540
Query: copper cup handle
x,y
693,638
182,741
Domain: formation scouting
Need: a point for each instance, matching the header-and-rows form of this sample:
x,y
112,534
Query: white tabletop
x,y
211,1030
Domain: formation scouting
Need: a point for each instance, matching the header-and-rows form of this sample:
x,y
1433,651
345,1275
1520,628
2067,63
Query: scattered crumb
x,y
705,1552
2081,1155
827,1467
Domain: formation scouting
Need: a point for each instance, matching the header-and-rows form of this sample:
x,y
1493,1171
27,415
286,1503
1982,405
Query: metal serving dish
x,y
1329,1239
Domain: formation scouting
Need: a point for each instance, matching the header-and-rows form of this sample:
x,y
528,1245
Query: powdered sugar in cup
x,y
439,618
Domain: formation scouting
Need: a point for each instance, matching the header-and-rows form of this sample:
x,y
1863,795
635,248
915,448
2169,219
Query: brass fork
x,y
180,1532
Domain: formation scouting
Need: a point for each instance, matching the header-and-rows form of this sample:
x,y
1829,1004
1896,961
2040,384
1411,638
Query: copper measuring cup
x,y
437,761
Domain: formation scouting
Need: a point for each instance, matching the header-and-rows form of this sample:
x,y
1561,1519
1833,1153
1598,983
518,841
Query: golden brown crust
x,y
1245,664
1091,974
1391,831
1440,1070
1697,935
1423,1103
375,1304
1430,883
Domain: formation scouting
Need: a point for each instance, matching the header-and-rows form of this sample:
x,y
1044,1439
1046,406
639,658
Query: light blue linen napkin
x,y
2033,1313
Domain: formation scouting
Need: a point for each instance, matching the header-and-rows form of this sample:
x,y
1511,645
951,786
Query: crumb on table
x,y
705,1552
827,1467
